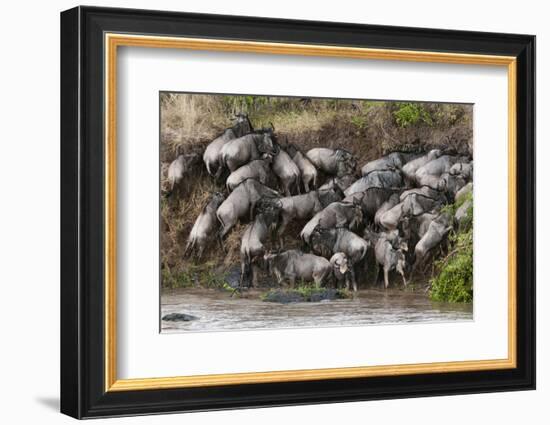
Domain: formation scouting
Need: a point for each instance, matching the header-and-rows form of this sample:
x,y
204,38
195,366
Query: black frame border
x,y
82,207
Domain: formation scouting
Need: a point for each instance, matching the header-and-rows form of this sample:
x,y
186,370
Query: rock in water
x,y
179,317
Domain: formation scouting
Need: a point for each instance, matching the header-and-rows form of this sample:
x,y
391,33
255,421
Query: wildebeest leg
x,y
404,280
255,273
281,230
243,271
291,281
201,251
376,273
386,280
352,278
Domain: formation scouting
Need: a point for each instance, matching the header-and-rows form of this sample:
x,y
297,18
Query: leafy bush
x,y
408,114
454,283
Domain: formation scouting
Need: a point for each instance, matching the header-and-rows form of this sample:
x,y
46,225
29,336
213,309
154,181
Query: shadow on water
x,y
216,310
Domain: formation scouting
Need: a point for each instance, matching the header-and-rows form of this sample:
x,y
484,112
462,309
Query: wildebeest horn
x,y
272,126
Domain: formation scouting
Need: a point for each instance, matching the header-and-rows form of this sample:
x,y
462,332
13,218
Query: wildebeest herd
x,y
392,206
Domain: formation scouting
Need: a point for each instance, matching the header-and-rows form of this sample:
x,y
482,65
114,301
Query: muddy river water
x,y
217,310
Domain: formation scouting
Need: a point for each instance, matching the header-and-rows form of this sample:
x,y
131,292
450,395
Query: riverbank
x,y
218,310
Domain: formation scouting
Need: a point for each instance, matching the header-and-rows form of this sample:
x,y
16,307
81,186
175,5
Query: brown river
x,y
217,310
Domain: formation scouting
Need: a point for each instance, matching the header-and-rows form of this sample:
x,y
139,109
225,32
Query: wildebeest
x,y
307,169
341,269
211,156
335,162
342,182
205,226
294,264
327,242
179,167
391,202
450,185
258,169
463,169
287,171
430,173
409,169
240,203
336,214
388,179
437,231
389,257
303,207
240,151
392,161
254,238
371,199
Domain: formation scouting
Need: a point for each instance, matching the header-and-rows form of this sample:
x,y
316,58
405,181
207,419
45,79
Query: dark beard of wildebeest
x,y
239,205
240,151
211,156
303,207
205,227
327,242
253,241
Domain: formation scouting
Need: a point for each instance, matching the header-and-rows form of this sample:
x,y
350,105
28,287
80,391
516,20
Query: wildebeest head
x,y
328,196
266,145
346,163
322,241
450,184
340,262
269,209
291,149
242,125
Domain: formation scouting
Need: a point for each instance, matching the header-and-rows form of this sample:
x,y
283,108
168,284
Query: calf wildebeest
x,y
307,169
327,242
336,214
409,169
392,161
293,264
211,156
388,257
254,238
287,171
335,162
388,179
205,226
341,269
437,231
240,151
179,167
258,169
303,207
240,203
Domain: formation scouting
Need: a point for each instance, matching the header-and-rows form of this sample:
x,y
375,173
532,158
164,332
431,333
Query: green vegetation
x,y
454,280
409,114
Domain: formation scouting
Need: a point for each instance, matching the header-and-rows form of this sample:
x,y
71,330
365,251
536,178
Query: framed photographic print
x,y
261,212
